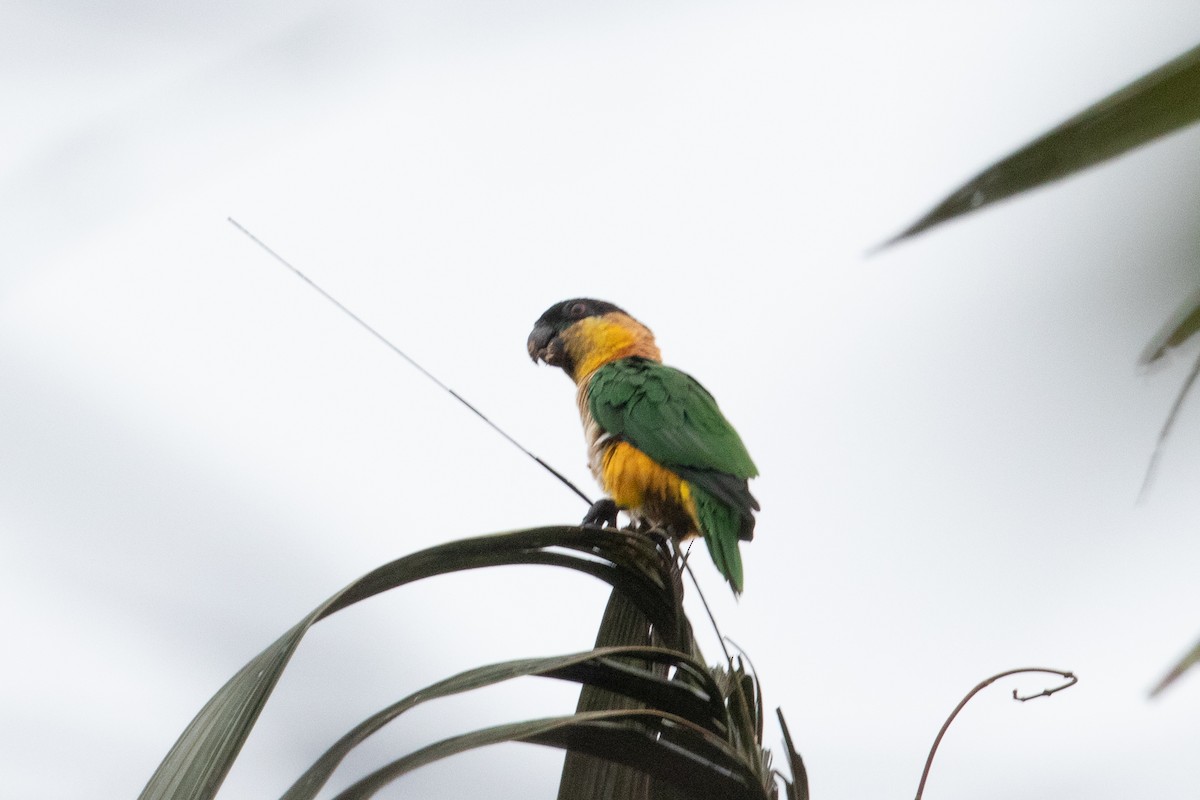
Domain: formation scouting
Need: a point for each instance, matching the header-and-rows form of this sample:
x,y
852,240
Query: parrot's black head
x,y
546,342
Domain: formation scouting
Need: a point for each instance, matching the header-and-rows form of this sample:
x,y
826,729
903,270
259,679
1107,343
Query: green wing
x,y
670,417
667,415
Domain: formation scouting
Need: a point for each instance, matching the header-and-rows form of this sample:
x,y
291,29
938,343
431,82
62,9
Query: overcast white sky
x,y
197,450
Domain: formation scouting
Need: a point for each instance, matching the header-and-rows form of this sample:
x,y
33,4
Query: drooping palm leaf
x,y
1151,107
1156,104
668,747
693,697
688,733
205,751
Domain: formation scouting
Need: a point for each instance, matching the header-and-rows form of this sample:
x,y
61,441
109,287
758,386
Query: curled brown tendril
x,y
1069,677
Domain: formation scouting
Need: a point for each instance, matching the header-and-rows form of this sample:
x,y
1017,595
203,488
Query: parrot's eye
x,y
577,310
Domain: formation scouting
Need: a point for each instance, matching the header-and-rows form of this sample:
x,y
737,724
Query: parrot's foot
x,y
603,514
662,538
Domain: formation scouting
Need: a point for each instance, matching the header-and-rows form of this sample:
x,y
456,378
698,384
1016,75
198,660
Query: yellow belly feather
x,y
637,483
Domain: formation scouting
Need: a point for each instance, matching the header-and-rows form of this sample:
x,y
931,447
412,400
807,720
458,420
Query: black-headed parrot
x,y
657,443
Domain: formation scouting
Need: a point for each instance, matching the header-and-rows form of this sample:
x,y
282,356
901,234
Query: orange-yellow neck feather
x,y
595,341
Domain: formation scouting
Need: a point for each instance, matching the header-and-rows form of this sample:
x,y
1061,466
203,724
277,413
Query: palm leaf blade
x,y
202,756
1187,662
664,746
797,787
1178,329
1152,106
604,666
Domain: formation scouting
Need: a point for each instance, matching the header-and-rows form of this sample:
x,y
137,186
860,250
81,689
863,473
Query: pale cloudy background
x,y
197,449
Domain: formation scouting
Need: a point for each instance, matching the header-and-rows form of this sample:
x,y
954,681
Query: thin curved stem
x,y
1070,678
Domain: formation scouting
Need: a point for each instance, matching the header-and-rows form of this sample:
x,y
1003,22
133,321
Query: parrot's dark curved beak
x,y
544,345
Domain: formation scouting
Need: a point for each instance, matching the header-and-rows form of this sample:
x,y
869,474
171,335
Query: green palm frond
x,y
660,721
693,698
1153,106
665,746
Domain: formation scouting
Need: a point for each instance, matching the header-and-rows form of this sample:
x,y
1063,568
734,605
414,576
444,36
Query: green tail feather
x,y
720,526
